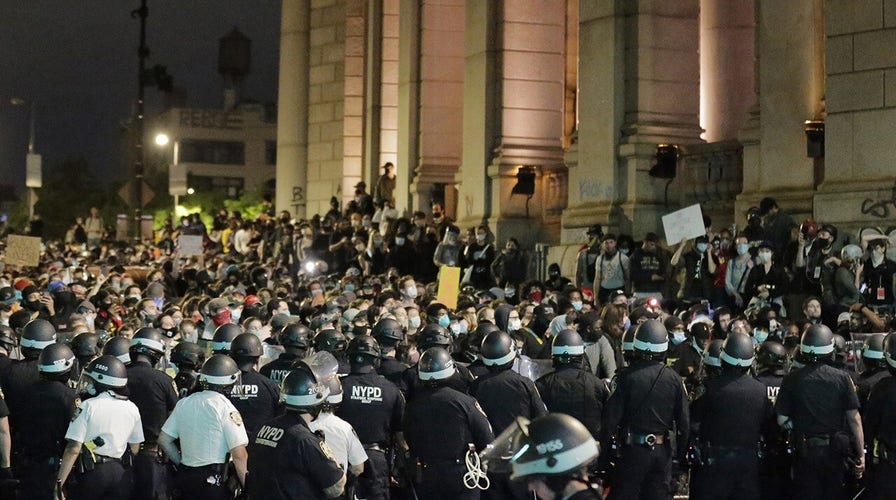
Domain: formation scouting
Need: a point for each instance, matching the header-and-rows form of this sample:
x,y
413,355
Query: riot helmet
x,y
8,338
433,335
86,346
816,344
330,340
771,357
651,340
102,374
301,392
219,373
246,345
435,365
388,331
224,335
873,351
497,349
567,348
737,350
628,344
295,336
36,335
56,360
149,342
187,355
890,351
119,347
363,350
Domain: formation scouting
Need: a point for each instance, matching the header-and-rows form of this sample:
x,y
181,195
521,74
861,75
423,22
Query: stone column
x,y
791,90
292,106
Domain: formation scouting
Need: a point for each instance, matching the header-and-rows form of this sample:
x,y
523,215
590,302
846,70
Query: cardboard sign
x,y
189,245
683,224
449,286
22,250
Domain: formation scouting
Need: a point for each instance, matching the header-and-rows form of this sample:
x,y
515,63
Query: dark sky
x,y
77,60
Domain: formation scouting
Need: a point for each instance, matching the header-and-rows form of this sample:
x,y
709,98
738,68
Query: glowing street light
x,y
190,190
162,139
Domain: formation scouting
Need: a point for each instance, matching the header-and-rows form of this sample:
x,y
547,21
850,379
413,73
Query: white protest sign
x,y
22,250
189,244
683,224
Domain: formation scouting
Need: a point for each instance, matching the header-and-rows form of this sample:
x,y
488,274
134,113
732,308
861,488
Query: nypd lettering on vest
x,y
244,391
366,394
269,436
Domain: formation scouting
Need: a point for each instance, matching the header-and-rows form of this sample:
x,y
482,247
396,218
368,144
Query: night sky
x,y
77,60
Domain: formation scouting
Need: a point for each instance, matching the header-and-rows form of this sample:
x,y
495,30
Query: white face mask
x,y
414,322
411,292
765,256
760,335
514,324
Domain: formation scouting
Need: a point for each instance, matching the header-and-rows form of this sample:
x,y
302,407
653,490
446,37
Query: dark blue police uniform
x,y
46,412
577,393
258,400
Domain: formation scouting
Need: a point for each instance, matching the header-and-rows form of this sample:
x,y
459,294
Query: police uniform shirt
x,y
373,406
880,414
186,383
642,410
505,395
392,369
867,380
45,418
772,384
440,422
208,426
460,381
341,438
575,392
155,395
816,397
22,374
110,417
685,359
278,369
287,461
257,400
732,412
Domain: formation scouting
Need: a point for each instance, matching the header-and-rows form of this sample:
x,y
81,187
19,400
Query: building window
x,y
217,152
270,152
232,187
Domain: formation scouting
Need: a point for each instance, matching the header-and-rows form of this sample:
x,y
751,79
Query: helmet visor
x,y
499,455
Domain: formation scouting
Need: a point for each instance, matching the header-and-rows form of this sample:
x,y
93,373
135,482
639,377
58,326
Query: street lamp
x,y
33,177
162,139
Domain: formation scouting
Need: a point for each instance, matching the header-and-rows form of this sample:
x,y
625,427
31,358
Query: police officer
x,y
875,365
439,423
105,425
880,433
709,368
258,397
771,357
295,339
552,457
504,395
46,412
820,404
435,335
389,333
726,425
120,348
628,345
333,342
477,367
689,355
155,395
570,389
86,346
8,343
23,373
374,407
647,403
288,461
209,428
188,358
223,336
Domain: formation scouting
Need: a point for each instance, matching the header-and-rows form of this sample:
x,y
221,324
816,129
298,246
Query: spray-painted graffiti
x,y
298,198
591,189
880,208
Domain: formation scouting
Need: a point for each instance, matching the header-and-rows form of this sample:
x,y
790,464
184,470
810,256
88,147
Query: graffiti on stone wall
x,y
298,198
591,189
880,208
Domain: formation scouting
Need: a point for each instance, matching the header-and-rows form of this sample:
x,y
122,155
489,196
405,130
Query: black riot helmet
x,y
102,374
36,335
301,392
187,355
295,336
816,344
553,445
8,338
737,350
712,354
435,365
246,346
497,349
873,351
628,344
119,347
890,351
433,335
224,335
568,348
149,342
388,331
330,340
771,357
219,373
86,346
56,361
651,340
840,349
363,350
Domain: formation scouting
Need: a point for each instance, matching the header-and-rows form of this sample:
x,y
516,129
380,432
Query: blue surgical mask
x,y
760,335
399,241
577,305
414,322
678,337
514,324
444,321
349,287
701,247
742,248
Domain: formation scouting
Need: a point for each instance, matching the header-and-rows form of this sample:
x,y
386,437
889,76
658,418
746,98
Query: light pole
x,y
33,174
162,140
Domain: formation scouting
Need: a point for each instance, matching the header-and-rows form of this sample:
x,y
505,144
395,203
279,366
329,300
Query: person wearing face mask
x,y
39,304
373,257
767,282
650,264
402,254
848,278
878,277
448,251
736,272
507,319
699,266
407,289
611,270
588,256
510,265
477,258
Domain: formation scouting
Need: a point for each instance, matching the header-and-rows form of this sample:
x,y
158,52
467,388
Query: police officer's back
x,y
647,402
880,430
287,460
440,422
570,389
726,424
374,407
155,395
257,398
820,404
775,466
188,358
434,335
295,339
875,365
46,412
23,373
